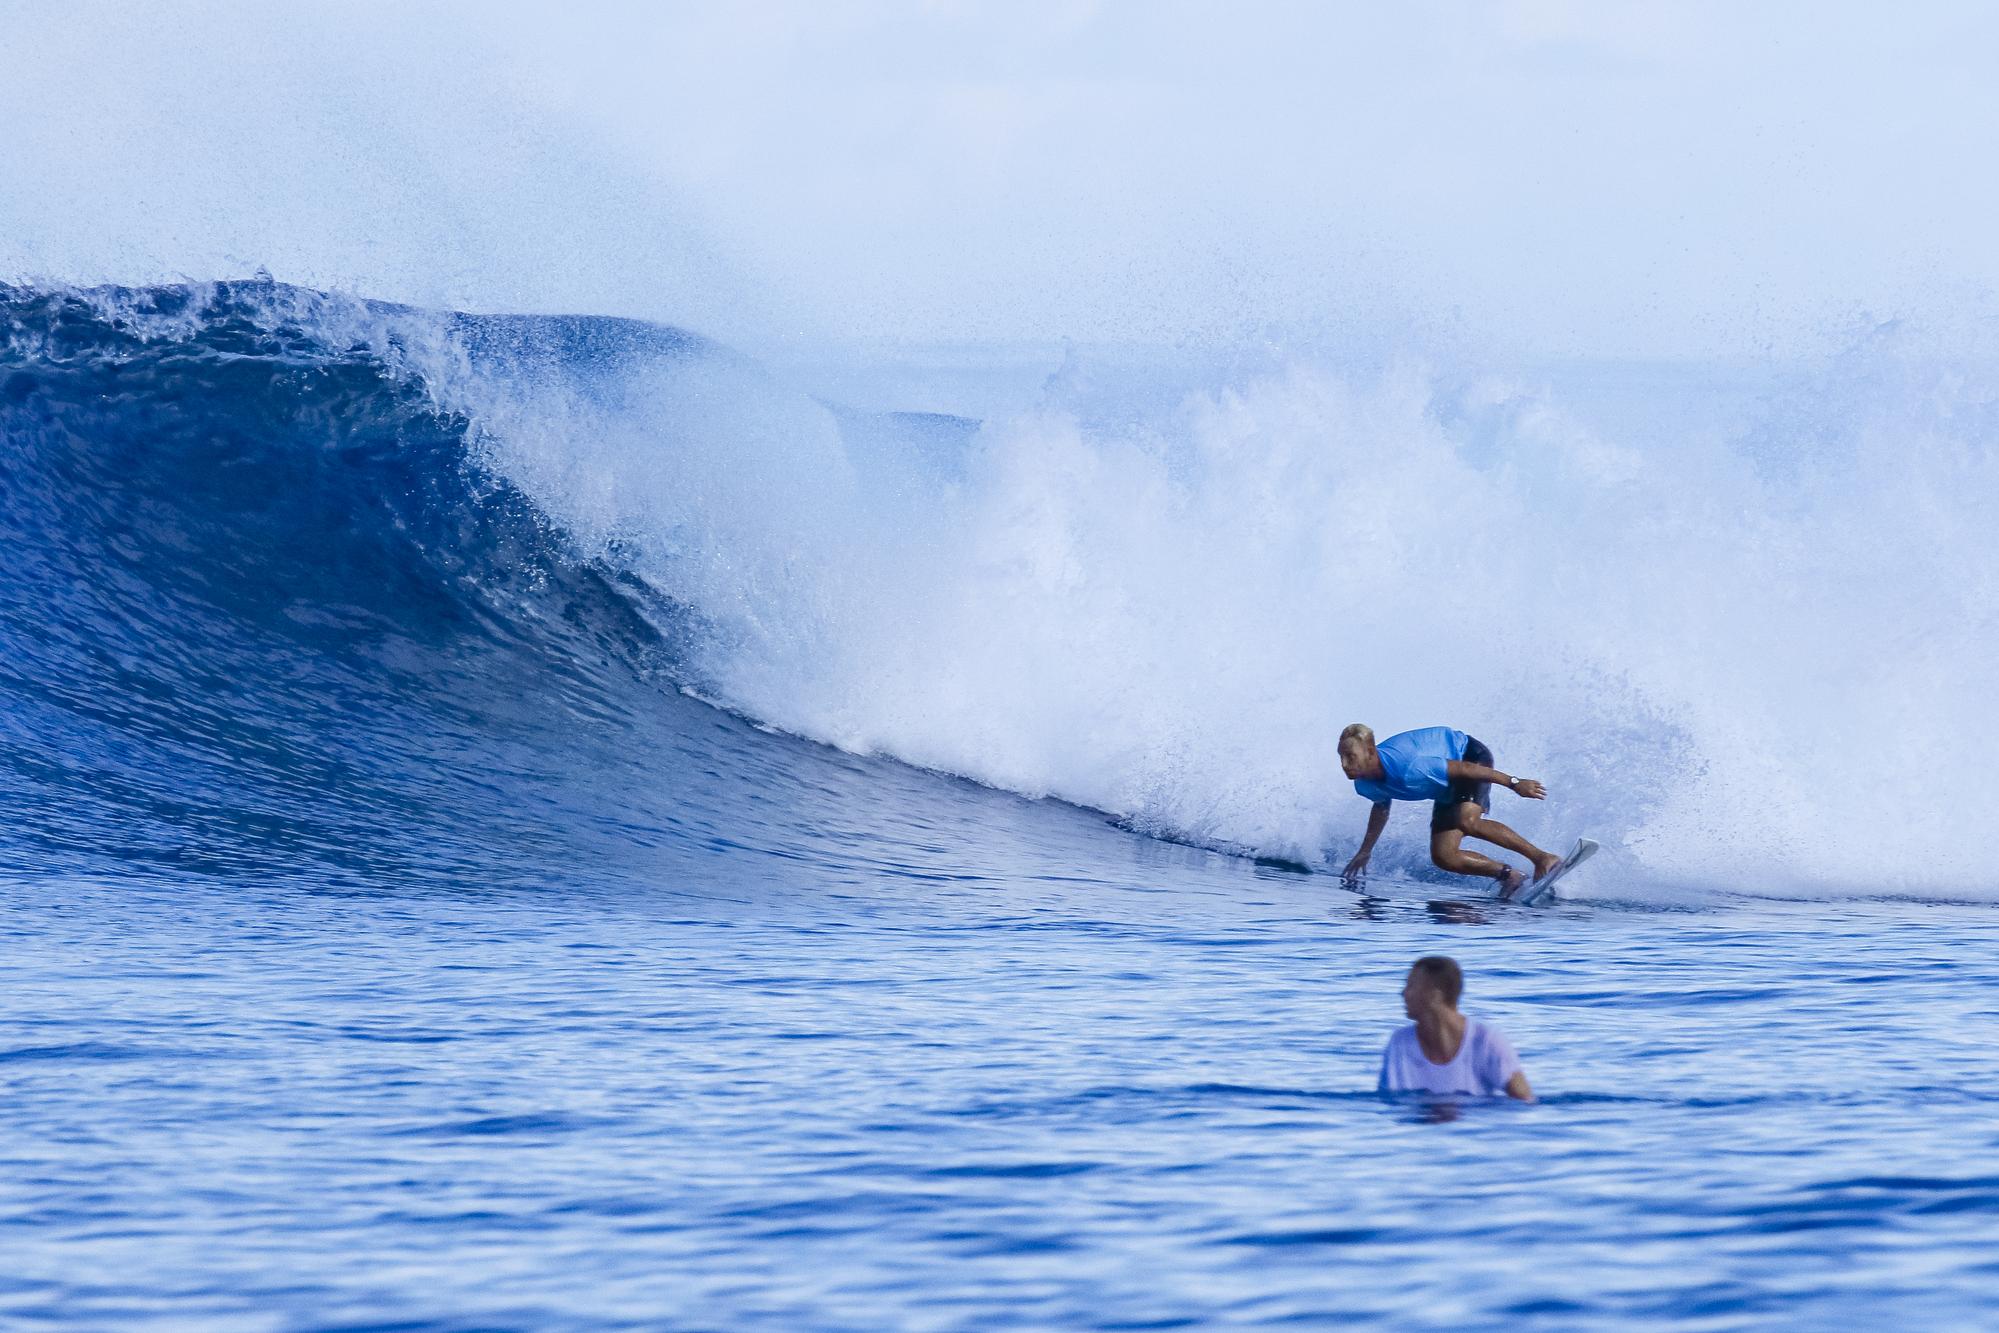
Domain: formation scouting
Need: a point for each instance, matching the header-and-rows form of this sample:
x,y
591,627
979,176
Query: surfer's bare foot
x,y
1511,882
1544,863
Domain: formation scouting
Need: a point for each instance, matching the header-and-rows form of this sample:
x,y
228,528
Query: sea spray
x,y
1729,659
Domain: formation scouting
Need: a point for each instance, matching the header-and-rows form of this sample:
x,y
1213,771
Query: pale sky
x,y
1556,178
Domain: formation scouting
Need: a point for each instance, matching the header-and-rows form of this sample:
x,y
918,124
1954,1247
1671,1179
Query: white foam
x,y
1760,654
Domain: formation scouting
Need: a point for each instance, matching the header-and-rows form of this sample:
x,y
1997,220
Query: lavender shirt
x,y
1483,1064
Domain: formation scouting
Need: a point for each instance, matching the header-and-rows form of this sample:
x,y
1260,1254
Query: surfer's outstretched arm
x,y
1461,771
1377,820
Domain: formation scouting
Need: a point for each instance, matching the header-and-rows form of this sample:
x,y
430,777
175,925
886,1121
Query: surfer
x,y
1444,1051
1454,772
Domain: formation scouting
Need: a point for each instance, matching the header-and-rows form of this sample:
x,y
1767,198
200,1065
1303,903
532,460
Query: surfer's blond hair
x,y
1358,731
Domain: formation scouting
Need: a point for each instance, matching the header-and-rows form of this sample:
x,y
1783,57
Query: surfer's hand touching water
x,y
1377,820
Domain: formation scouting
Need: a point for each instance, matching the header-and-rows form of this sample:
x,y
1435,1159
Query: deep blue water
x,y
391,940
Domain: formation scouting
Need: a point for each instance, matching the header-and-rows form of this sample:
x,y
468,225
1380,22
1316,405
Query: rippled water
x,y
1006,1099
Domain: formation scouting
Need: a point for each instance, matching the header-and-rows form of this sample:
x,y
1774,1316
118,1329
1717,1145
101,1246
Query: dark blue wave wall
x,y
260,614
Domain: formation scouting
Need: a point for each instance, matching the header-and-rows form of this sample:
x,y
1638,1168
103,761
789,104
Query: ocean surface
x,y
547,823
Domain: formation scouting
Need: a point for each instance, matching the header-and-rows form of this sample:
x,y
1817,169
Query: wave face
x,y
266,614
297,579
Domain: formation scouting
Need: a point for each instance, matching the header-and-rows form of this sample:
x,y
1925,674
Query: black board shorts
x,y
1444,814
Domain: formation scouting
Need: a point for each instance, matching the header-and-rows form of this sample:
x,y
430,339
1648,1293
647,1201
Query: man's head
x,y
1434,982
1358,758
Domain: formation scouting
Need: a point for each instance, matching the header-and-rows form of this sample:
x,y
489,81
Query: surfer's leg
x,y
1473,822
1447,854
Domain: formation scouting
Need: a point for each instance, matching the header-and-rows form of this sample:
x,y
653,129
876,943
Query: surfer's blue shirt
x,y
1416,766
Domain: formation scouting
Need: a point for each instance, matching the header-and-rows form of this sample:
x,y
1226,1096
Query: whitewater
x,y
554,821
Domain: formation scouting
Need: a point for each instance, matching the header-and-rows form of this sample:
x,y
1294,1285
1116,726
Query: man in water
x,y
1453,770
1443,1051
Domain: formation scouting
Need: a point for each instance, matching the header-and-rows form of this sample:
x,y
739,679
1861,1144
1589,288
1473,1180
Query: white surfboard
x,y
1542,890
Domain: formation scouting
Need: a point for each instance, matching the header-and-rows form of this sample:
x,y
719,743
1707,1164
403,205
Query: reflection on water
x,y
1444,911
